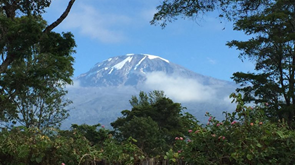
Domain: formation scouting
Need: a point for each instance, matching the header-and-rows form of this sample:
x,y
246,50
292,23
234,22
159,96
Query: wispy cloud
x,y
90,22
76,84
179,88
211,61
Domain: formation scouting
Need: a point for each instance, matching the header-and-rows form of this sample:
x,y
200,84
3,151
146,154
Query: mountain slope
x,y
104,90
131,69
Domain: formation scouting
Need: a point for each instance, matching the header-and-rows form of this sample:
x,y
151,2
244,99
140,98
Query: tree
x,y
271,23
147,134
21,28
39,95
272,49
35,64
95,135
154,121
170,10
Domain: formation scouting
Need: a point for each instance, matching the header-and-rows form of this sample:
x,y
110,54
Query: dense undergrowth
x,y
246,136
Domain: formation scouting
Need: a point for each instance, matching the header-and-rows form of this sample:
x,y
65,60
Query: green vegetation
x,y
270,24
272,48
154,122
36,63
246,136
231,10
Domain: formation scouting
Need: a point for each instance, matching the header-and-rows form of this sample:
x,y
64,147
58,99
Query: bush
x,y
244,137
30,146
22,146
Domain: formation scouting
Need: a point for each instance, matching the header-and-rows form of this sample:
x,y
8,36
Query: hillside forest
x,y
36,63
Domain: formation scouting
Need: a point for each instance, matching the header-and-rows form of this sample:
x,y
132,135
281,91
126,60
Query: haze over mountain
x,y
100,94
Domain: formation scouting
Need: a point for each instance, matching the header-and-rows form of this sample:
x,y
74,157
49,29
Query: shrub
x,y
22,146
30,146
244,137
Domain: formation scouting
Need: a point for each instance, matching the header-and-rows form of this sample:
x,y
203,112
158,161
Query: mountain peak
x,y
111,83
148,56
129,69
132,69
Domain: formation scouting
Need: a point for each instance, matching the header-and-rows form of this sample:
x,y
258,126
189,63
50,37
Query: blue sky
x,y
108,28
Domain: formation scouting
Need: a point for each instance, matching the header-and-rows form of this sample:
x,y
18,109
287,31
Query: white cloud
x,y
179,88
97,25
76,84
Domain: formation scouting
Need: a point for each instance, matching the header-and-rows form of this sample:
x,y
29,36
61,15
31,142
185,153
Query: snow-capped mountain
x,y
131,69
105,90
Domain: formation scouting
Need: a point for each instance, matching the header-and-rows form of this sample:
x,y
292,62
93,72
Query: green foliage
x,y
272,50
35,64
154,121
91,132
171,156
244,137
29,7
32,89
271,46
30,146
123,153
147,133
170,10
23,145
102,147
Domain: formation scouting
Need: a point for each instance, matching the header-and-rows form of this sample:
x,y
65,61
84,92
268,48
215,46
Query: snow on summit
x,y
129,58
125,69
139,62
135,70
153,57
122,63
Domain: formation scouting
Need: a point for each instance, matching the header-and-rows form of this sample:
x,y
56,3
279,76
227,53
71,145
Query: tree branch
x,y
61,18
5,64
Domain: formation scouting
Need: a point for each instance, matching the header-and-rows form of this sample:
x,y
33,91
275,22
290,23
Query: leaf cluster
x,y
246,136
271,48
154,121
170,10
27,7
34,68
